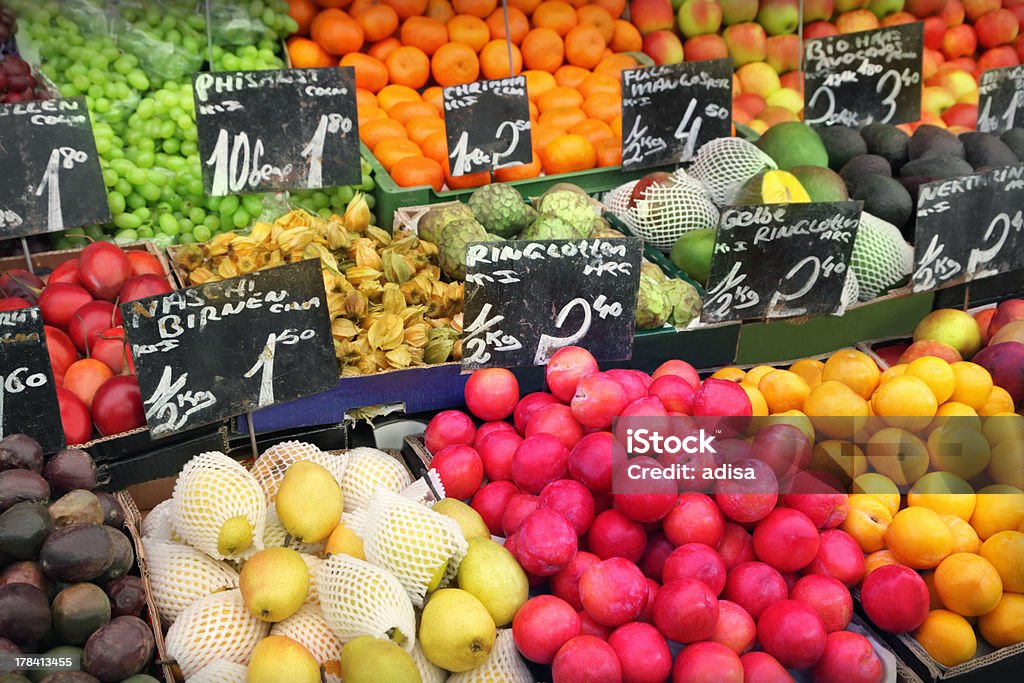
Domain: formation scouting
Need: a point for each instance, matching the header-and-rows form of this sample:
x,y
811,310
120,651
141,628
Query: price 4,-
x,y
639,143
16,383
465,159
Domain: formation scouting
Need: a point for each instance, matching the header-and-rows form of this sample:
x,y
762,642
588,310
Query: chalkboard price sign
x,y
270,131
527,299
488,125
50,177
225,348
669,111
856,79
28,395
1001,99
780,260
969,228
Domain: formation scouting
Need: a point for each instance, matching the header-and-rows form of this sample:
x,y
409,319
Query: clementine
x,y
567,154
306,54
408,66
425,33
302,11
413,170
599,18
378,22
518,24
476,8
559,16
407,8
371,74
543,50
468,30
454,64
336,32
494,60
626,37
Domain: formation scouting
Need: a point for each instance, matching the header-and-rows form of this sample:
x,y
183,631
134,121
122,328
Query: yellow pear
x,y
277,658
493,576
344,540
274,583
470,521
371,660
235,536
456,630
309,502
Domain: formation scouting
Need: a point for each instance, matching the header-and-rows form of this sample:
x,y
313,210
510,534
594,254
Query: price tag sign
x,y
270,131
1001,100
781,260
969,228
488,125
669,111
225,348
50,177
527,299
856,79
28,394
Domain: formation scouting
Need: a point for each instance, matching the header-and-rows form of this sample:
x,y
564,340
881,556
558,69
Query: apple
x,y
959,41
951,326
738,11
783,53
652,15
849,5
998,57
793,633
924,8
976,9
779,17
747,43
884,8
898,18
934,32
839,556
754,586
960,84
709,46
735,628
818,10
697,17
820,29
826,596
848,658
685,611
927,347
1005,313
643,653
953,13
586,658
614,591
708,661
856,20
895,598
542,626
961,114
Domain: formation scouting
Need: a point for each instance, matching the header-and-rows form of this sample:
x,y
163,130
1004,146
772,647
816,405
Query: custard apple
x,y
550,228
501,209
454,239
652,306
574,208
684,300
436,219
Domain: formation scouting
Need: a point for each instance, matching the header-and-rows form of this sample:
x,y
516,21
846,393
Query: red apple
x,y
542,626
783,53
895,598
664,47
642,652
747,43
709,46
848,658
976,9
999,27
934,32
685,611
754,586
793,633
959,41
652,15
820,29
953,13
826,596
924,8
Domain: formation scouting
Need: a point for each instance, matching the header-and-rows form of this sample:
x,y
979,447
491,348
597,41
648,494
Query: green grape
x,y
201,233
126,236
145,232
240,219
116,201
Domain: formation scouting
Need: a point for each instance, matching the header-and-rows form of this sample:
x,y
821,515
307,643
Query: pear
x,y
344,540
370,660
274,583
456,630
491,574
235,536
278,658
309,502
470,521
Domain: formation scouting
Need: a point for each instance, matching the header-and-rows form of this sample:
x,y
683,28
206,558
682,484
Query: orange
x,y
413,171
968,584
440,10
303,12
563,117
517,22
390,95
783,390
365,98
853,368
836,410
598,82
604,106
973,384
614,64
541,134
599,18
615,8
494,60
435,96
425,33
378,130
476,8
567,154
370,113
593,130
378,22
906,402
534,112
609,152
1004,626
570,76
936,373
382,48
332,3
920,539
455,64
422,127
559,96
625,37
527,7
436,147
559,16
947,637
371,74
468,30
408,66
392,150
305,54
520,172
538,82
543,50
584,46
810,369
360,6
403,112
407,8
337,32
1005,550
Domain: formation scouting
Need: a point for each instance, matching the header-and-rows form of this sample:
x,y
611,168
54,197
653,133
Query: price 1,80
x,y
62,157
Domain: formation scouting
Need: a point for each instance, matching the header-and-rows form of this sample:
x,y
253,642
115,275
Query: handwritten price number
x,y
14,383
9,219
466,159
988,123
549,344
62,157
169,404
266,361
891,82
329,123
818,269
481,335
731,290
934,266
1003,222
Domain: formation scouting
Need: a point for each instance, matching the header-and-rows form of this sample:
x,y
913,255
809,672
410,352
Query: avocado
x,y
937,167
887,141
822,184
863,166
1014,139
930,141
841,144
885,198
792,143
984,151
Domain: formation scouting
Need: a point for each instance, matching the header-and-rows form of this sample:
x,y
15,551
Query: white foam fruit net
x,y
221,671
361,599
367,469
429,672
275,535
851,290
159,522
180,575
410,540
309,628
269,469
212,489
420,491
503,665
217,627
724,165
881,257
312,564
666,210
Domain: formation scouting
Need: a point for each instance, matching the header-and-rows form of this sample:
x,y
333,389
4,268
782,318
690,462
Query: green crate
x,y
391,197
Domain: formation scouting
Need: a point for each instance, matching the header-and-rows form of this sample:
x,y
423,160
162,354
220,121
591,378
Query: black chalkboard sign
x,y
527,299
780,260
669,111
50,177
269,131
488,125
28,394
969,228
1001,99
856,79
221,349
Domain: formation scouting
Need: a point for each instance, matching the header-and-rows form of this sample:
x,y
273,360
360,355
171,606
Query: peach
x,y
924,8
818,10
997,28
820,29
856,20
652,15
738,11
663,47
783,53
959,41
703,47
697,17
747,43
